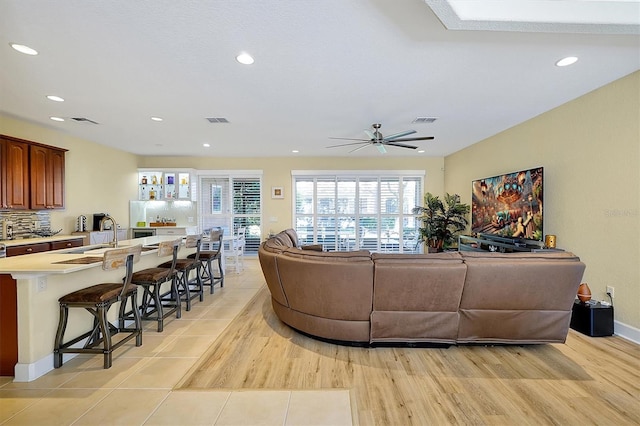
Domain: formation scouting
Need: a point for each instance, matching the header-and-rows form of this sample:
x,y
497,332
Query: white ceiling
x,y
322,69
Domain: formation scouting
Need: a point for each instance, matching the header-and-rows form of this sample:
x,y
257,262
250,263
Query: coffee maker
x,y
97,217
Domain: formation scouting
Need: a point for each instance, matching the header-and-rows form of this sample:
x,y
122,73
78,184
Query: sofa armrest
x,y
314,247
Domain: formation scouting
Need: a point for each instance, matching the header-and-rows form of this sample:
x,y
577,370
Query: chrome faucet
x,y
113,243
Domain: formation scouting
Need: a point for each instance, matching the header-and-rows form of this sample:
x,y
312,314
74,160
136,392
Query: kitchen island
x,y
42,278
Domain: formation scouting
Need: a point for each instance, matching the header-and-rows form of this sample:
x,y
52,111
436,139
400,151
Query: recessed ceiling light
x,y
245,59
23,49
295,151
421,151
57,118
156,118
206,145
569,60
55,98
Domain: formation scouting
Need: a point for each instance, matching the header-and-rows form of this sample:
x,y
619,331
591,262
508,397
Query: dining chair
x,y
235,254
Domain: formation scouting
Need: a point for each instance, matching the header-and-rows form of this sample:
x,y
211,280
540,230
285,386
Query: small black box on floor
x,y
594,320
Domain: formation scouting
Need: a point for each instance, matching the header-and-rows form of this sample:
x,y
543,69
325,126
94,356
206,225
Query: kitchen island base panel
x,y
38,307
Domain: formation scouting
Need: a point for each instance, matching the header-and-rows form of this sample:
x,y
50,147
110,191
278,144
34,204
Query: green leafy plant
x,y
441,220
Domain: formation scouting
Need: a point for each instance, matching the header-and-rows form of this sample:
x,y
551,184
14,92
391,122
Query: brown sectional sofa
x,y
452,297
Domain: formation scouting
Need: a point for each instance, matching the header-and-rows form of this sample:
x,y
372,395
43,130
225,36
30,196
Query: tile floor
x,y
138,388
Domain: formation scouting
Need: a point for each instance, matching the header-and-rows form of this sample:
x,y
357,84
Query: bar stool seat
x,y
207,256
156,306
97,299
187,288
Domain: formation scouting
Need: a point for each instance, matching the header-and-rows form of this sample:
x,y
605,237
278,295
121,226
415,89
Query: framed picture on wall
x,y
277,192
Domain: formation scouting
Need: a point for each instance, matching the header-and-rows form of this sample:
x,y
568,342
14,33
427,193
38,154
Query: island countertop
x,y
40,281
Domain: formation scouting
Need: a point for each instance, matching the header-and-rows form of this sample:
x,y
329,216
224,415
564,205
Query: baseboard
x,y
626,332
30,372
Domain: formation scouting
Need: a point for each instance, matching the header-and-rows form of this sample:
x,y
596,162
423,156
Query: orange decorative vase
x,y
584,292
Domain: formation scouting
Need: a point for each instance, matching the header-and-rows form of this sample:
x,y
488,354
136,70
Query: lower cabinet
x,y
8,325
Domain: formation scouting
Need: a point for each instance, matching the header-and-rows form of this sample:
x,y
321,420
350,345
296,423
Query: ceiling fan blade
x,y
399,145
380,148
423,138
359,148
370,134
353,143
352,139
398,135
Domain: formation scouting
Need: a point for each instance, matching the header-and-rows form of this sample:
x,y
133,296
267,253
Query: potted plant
x,y
441,221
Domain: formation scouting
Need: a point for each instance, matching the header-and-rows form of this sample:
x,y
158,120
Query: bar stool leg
x,y
106,335
221,269
62,326
137,319
159,308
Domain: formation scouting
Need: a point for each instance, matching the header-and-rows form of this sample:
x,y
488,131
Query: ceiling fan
x,y
379,141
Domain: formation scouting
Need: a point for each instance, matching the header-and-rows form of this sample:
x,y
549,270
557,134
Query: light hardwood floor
x,y
585,381
267,373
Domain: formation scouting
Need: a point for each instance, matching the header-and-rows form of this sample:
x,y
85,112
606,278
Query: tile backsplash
x,y
25,222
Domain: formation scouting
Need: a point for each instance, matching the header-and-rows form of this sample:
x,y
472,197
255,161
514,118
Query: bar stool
x,y
97,300
151,280
211,253
186,286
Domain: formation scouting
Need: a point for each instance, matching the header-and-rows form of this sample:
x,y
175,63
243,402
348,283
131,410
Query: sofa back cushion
x,y
429,282
293,236
522,281
278,243
335,285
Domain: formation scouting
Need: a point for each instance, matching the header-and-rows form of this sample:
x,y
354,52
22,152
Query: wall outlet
x,y
42,284
610,291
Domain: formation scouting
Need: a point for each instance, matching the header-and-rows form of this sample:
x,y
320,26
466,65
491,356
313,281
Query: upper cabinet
x,y
47,178
31,175
166,185
14,170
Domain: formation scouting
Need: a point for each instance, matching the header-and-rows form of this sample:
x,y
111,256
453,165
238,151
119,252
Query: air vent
x,y
84,120
424,120
217,120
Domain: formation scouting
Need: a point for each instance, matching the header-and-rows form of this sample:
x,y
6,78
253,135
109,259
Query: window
x,y
231,202
346,212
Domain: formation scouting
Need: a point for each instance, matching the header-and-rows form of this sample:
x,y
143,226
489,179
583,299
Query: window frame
x,y
331,214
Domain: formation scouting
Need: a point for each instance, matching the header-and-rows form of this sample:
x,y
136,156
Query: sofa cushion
x,y
278,243
334,285
293,236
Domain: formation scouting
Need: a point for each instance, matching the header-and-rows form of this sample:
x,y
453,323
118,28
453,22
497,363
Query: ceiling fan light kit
x,y
376,139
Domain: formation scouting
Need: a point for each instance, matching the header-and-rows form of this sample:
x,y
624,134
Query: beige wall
x,y
277,172
589,149
97,178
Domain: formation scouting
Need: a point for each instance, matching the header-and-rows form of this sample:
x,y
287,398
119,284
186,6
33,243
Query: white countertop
x,y
45,263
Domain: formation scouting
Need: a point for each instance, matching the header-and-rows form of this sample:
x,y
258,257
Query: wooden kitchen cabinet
x,y
8,325
14,173
28,249
47,177
31,175
59,245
